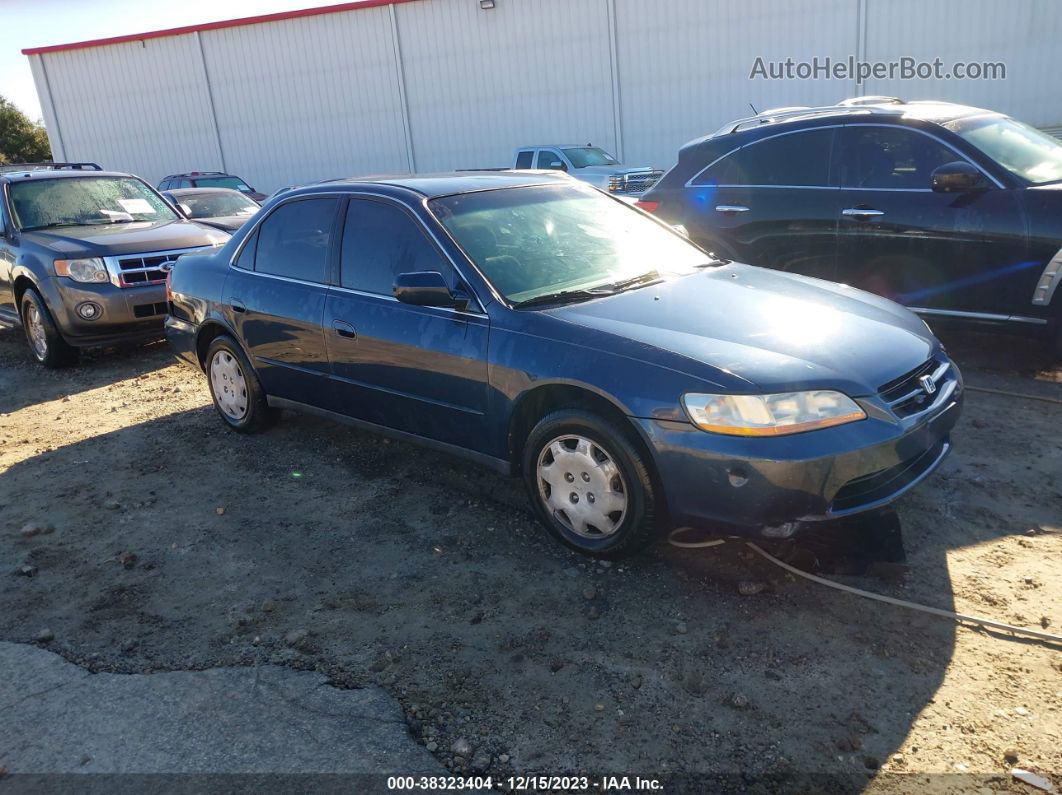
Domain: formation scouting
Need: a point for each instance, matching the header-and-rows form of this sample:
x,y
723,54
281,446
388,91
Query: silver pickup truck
x,y
590,164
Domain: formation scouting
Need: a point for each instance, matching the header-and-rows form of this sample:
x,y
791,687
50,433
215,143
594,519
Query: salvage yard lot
x,y
179,545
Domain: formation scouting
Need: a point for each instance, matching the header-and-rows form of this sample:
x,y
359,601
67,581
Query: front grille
x,y
140,270
906,395
641,181
148,310
886,482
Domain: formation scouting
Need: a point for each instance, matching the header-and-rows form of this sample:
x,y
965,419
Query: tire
x,y
600,462
45,342
235,389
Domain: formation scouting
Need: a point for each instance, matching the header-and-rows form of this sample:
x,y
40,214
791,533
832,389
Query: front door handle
x,y
731,208
236,306
862,213
344,329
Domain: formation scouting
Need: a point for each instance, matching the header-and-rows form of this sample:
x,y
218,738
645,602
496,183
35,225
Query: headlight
x,y
615,182
771,415
82,270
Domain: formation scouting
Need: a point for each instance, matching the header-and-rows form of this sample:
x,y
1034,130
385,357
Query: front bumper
x,y
741,485
126,314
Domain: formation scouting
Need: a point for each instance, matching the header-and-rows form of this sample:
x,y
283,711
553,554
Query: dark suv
x,y
210,179
954,211
84,255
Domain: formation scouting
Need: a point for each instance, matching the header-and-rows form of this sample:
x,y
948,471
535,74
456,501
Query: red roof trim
x,y
229,23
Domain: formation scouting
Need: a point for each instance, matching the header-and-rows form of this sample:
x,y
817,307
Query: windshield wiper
x,y
562,297
65,223
626,284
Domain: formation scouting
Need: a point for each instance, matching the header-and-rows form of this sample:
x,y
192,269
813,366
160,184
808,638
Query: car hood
x,y
610,170
106,240
228,223
776,331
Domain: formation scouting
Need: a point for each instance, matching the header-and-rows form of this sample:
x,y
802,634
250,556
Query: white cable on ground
x,y
936,611
1032,633
1021,395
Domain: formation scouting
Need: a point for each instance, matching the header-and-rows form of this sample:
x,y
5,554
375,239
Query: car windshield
x,y
1023,150
538,241
584,156
217,205
85,201
222,182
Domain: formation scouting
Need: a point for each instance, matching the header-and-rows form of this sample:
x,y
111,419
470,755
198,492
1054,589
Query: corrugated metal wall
x,y
441,84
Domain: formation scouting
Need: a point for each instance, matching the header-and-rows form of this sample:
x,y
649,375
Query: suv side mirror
x,y
957,177
428,288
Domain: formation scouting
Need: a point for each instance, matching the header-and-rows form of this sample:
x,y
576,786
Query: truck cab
x,y
590,164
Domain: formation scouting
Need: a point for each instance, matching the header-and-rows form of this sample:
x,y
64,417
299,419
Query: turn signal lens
x,y
649,207
87,271
771,415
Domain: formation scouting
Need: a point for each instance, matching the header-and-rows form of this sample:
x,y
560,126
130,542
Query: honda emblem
x,y
928,384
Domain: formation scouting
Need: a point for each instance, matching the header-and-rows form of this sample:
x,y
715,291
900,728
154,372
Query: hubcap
x,y
228,385
35,331
582,487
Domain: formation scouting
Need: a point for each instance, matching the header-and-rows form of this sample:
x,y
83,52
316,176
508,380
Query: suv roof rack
x,y
855,102
844,107
50,167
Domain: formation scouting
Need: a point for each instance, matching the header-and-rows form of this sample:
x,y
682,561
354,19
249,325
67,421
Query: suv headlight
x,y
771,415
87,270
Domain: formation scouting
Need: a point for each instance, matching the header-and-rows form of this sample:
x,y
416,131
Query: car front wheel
x,y
590,485
45,342
238,396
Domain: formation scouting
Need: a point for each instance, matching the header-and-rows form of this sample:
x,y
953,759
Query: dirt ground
x,y
175,544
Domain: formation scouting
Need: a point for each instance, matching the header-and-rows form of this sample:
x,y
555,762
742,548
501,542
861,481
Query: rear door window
x,y
380,241
294,241
523,159
797,159
895,158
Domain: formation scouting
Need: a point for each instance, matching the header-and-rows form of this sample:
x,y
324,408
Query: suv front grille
x,y
907,395
640,182
140,270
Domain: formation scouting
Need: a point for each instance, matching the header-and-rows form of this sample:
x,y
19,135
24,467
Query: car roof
x,y
43,173
433,185
199,174
560,146
856,109
201,191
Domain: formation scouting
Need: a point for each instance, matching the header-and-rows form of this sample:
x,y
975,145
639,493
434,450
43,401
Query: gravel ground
x,y
168,543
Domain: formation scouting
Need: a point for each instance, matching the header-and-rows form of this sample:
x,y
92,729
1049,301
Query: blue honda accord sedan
x,y
536,325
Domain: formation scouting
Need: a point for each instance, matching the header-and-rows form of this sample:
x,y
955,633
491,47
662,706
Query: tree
x,y
21,140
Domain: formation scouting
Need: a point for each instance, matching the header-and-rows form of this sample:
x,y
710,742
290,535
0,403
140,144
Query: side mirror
x,y
428,288
184,208
957,177
557,165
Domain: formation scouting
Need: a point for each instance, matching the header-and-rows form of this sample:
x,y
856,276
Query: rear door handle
x,y
731,208
344,329
862,212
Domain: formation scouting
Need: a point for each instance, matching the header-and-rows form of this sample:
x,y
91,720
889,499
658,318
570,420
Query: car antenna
x,y
754,111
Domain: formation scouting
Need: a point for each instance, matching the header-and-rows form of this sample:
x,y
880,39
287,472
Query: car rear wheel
x,y
45,342
234,386
590,485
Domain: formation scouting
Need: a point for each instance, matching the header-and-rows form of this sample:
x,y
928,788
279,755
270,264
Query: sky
x,y
39,23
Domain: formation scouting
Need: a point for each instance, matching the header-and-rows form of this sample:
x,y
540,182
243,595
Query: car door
x,y
7,264
771,203
276,297
550,159
417,369
951,253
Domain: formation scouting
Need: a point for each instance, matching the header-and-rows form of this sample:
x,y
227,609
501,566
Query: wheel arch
x,y
210,330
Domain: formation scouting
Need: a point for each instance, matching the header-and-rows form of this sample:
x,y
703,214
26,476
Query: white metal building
x,y
387,86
